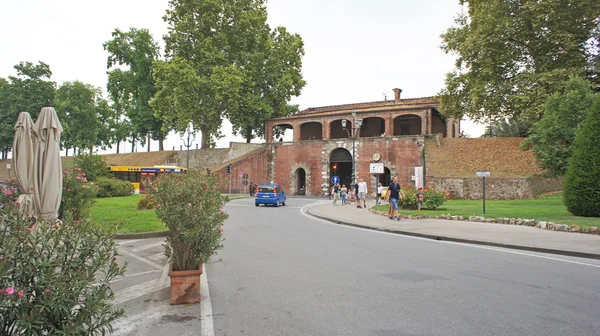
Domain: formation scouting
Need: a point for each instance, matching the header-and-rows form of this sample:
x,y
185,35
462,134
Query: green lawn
x,y
549,208
107,211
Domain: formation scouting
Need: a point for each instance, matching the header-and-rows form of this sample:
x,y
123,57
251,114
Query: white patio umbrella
x,y
23,150
48,180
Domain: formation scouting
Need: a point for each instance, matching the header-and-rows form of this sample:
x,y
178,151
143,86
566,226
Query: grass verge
x,y
111,210
549,208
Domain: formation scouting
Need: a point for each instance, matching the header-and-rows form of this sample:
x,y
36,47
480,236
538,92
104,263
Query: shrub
x,y
78,195
146,203
94,166
433,198
582,181
9,192
190,205
55,280
112,187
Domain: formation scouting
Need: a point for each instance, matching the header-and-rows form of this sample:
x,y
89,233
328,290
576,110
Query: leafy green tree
x,y
94,166
582,181
78,105
514,127
553,136
29,91
235,66
132,88
513,54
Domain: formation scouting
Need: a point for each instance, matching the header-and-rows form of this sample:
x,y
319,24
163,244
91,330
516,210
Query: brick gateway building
x,y
393,132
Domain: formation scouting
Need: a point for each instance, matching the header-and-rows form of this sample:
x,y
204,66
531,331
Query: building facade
x,y
327,141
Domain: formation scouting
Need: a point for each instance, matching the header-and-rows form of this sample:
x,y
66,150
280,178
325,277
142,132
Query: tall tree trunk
x,y
248,134
66,151
161,144
204,138
118,143
133,145
149,141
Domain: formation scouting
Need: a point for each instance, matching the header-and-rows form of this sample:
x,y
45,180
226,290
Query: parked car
x,y
270,194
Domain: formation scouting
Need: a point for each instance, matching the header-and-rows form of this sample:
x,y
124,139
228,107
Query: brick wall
x,y
399,154
255,165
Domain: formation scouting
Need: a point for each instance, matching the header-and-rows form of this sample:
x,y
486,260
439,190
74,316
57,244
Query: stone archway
x,y
340,164
294,180
300,181
386,177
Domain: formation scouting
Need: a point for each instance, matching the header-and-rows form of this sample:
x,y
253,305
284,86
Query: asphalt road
x,y
284,273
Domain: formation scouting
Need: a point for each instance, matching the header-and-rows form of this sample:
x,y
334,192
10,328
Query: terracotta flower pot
x,y
185,286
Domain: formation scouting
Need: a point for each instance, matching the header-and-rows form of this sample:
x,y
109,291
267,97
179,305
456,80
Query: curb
x,y
462,240
141,235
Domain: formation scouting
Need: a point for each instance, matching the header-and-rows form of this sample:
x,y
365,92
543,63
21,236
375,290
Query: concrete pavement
x,y
503,235
283,272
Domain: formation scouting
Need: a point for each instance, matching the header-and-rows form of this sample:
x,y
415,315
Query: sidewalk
x,y
501,235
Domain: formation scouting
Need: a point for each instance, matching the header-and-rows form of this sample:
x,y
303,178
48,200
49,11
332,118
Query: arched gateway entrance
x,y
300,181
340,164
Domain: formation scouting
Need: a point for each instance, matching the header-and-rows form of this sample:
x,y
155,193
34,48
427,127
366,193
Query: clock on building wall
x,y
376,156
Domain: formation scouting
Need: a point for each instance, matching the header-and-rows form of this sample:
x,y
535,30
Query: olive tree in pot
x,y
191,206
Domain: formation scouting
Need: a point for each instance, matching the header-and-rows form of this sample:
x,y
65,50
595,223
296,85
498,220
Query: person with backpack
x,y
395,194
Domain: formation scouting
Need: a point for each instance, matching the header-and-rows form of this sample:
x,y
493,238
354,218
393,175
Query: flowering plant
x,y
191,206
54,280
78,195
9,192
432,199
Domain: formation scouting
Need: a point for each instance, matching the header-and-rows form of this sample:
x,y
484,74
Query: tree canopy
x,y
233,65
553,136
513,54
28,91
131,59
582,181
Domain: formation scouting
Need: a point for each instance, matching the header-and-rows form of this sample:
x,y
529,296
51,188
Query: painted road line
x,y
144,288
303,211
206,315
147,247
146,261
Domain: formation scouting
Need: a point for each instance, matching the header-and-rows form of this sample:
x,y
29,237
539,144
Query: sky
x,y
355,50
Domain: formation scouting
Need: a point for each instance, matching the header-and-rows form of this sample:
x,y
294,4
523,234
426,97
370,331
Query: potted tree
x,y
191,206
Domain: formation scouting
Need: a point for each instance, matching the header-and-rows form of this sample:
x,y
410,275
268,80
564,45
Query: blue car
x,y
270,194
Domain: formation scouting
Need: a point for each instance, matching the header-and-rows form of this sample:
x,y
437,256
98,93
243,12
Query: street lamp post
x,y
353,133
187,142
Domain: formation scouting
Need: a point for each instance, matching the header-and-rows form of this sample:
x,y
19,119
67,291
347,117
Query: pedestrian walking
x,y
362,193
380,190
344,194
336,193
395,194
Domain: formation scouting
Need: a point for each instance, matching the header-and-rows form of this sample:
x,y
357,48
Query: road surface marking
x,y
134,274
147,247
146,261
206,315
505,250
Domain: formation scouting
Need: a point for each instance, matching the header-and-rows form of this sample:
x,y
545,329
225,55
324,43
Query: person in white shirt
x,y
362,193
380,190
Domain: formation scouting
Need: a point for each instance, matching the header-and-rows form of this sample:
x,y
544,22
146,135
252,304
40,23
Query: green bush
x,y
432,200
94,166
112,187
146,203
191,206
582,181
78,195
9,192
55,279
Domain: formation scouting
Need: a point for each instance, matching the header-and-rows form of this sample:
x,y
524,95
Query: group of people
x,y
357,193
392,194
